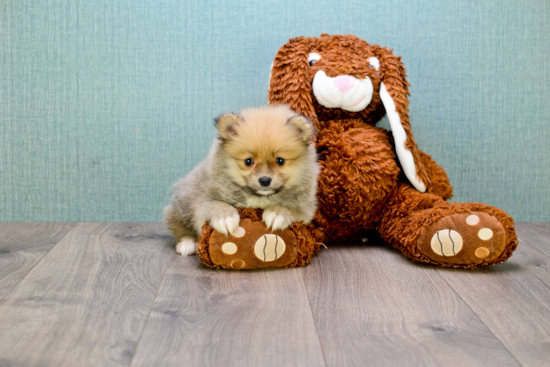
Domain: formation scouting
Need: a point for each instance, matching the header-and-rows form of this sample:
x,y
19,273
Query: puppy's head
x,y
266,149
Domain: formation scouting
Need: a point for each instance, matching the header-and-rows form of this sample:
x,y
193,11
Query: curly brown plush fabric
x,y
362,185
302,242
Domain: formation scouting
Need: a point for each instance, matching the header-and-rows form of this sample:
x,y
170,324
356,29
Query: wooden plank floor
x,y
117,295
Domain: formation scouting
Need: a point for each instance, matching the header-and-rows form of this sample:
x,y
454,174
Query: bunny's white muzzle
x,y
344,91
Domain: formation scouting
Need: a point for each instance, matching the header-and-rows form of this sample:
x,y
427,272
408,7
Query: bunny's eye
x,y
374,62
312,58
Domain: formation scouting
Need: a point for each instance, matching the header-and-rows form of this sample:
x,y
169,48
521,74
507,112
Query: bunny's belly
x,y
358,171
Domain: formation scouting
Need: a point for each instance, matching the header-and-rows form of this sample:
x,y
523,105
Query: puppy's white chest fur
x,y
261,202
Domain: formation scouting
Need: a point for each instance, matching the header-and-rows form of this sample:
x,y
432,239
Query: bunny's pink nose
x,y
344,82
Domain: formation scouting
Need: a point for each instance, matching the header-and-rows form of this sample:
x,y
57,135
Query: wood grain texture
x,y
118,295
87,302
22,246
513,299
212,317
536,235
372,305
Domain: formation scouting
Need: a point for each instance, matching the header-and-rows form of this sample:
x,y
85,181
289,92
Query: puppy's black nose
x,y
265,181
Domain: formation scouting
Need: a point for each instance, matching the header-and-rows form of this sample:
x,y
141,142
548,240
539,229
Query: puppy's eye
x,y
280,161
312,58
248,162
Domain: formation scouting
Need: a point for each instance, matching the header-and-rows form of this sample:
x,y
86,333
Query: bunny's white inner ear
x,y
400,137
270,73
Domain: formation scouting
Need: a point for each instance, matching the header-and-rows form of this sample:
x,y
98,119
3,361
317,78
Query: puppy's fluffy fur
x,y
262,158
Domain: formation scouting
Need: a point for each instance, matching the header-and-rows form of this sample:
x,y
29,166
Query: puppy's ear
x,y
303,127
227,125
394,94
289,81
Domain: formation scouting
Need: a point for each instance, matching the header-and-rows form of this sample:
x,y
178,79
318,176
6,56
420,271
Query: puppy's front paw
x,y
277,218
186,247
226,221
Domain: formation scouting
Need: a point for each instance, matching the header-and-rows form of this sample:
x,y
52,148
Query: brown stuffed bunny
x,y
371,178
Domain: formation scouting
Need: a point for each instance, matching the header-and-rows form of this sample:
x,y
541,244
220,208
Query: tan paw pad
x,y
485,234
237,264
446,242
472,220
269,247
229,248
239,232
482,252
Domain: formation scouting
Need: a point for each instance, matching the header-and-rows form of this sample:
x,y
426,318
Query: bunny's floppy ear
x,y
289,83
394,93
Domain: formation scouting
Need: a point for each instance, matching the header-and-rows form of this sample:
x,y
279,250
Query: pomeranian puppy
x,y
261,158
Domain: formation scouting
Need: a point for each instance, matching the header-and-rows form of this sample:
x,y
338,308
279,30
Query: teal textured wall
x,y
104,104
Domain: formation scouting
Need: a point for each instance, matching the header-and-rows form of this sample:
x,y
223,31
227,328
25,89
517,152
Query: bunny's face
x,y
344,82
344,77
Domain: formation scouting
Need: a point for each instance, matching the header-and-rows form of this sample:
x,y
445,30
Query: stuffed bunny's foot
x,y
464,238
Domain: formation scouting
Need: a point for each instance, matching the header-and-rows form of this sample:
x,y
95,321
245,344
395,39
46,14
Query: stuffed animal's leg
x,y
428,229
254,246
